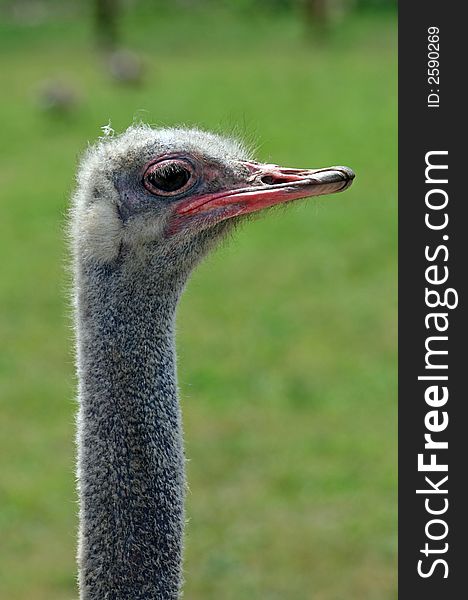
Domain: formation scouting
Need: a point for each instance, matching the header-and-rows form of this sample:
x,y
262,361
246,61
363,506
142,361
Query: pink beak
x,y
267,186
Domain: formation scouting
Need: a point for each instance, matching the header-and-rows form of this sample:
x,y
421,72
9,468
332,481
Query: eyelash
x,y
163,171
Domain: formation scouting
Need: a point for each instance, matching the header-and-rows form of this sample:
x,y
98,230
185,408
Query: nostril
x,y
269,180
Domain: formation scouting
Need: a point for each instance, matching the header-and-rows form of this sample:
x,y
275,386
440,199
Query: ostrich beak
x,y
267,185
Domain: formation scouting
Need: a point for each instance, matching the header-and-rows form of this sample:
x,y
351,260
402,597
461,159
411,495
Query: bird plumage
x,y
149,205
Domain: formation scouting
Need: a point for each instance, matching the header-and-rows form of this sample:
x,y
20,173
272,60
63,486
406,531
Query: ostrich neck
x,y
130,451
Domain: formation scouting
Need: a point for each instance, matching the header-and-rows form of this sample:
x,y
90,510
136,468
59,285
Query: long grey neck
x,y
130,449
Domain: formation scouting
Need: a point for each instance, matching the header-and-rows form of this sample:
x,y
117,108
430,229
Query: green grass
x,y
287,335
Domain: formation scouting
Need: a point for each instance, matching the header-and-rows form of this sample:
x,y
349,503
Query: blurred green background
x,y
286,335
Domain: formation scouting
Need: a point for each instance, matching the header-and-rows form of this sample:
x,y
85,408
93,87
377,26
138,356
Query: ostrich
x,y
149,204
125,67
57,97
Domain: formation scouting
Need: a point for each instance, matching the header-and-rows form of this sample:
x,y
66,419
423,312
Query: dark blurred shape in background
x,y
124,66
57,97
107,23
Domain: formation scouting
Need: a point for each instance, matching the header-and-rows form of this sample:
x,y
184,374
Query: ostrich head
x,y
172,193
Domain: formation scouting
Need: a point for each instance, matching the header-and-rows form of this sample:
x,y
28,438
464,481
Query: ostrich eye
x,y
168,177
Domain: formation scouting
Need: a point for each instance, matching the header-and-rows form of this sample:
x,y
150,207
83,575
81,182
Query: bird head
x,y
174,192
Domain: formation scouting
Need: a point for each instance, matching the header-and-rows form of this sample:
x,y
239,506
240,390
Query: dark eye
x,y
168,177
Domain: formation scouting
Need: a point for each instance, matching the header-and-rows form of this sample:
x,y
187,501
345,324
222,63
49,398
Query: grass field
x,y
287,335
